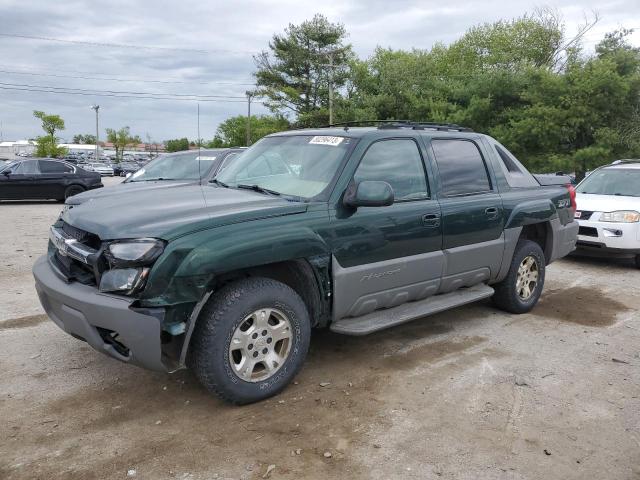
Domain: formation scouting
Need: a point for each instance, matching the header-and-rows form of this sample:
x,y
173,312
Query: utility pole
x,y
331,68
96,108
249,96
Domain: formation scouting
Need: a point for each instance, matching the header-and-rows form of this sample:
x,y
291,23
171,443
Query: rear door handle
x,y
491,212
431,220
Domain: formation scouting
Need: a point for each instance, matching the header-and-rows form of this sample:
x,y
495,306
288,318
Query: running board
x,y
381,319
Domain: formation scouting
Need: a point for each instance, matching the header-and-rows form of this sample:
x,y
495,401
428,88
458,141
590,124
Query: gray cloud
x,y
230,32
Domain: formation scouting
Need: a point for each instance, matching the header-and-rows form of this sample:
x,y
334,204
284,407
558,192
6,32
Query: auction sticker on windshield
x,y
326,140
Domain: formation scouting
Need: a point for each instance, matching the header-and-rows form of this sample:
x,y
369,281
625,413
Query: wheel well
x,y
541,234
297,274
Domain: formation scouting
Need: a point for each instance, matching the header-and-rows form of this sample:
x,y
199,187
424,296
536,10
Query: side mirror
x,y
7,172
369,193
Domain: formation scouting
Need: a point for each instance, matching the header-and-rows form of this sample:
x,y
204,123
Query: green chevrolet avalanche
x,y
355,229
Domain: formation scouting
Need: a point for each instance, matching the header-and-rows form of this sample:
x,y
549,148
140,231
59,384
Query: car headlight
x,y
621,216
123,280
128,253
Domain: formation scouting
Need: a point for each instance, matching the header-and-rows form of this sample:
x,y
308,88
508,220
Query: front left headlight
x,y
123,280
140,252
620,216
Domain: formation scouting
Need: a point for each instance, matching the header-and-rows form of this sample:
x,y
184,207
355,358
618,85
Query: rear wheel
x,y
250,340
73,190
521,288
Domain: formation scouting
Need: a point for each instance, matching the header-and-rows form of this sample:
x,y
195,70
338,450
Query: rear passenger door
x,y
472,213
54,178
386,256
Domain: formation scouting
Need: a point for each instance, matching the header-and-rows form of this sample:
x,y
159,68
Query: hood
x,y
606,203
121,188
171,212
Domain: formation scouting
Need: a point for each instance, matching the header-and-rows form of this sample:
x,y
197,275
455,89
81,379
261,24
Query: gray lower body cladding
x,y
106,322
564,239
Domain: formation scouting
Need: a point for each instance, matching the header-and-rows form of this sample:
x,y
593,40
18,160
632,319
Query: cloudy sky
x,y
205,48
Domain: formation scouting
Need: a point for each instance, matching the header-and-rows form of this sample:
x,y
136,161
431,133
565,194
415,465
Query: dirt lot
x,y
471,393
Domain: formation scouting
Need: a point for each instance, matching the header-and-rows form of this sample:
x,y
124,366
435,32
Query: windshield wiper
x,y
258,188
219,183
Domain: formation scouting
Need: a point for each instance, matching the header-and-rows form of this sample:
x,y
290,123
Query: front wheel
x,y
520,290
250,340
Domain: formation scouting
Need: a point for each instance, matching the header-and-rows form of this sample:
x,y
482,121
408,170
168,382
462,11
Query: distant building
x,y
17,148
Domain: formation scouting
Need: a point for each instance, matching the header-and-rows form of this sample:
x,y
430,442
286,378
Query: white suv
x,y
609,210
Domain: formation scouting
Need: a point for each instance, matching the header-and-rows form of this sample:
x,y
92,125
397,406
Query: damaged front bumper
x,y
106,322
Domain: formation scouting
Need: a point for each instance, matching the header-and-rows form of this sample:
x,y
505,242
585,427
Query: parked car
x,y
45,178
355,229
609,211
101,168
170,170
127,168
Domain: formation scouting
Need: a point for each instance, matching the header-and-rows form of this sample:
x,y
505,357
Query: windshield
x,y
179,166
612,181
299,166
8,165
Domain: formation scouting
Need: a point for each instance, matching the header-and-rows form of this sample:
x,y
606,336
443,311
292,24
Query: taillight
x,y
572,196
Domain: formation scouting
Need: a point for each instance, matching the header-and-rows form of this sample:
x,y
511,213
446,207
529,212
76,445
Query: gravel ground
x,y
470,393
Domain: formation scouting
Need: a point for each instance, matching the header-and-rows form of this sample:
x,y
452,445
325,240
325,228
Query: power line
x,y
123,45
148,97
37,74
119,91
80,72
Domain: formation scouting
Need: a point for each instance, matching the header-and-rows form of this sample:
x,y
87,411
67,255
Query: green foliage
x,y
521,81
48,148
121,139
233,131
50,123
87,139
48,144
294,75
177,145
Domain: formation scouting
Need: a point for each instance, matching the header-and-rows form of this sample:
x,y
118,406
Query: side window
x,y
47,166
461,167
397,162
29,167
514,172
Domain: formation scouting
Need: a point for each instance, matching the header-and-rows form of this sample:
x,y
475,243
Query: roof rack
x,y
397,124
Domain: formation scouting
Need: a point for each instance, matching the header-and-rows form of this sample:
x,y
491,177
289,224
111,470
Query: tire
x,y
73,190
221,322
508,296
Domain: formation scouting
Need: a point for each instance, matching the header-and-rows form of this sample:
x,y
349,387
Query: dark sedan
x,y
43,179
170,170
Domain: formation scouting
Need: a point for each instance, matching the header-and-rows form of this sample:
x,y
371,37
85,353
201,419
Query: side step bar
x,y
381,319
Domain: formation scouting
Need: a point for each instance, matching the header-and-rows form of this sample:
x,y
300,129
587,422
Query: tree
x,y
177,145
87,139
121,139
294,75
233,131
49,148
48,144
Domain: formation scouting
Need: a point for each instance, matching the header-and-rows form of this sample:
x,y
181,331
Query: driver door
x,y
386,256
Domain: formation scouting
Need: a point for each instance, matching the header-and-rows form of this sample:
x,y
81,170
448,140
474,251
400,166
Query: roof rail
x,y
627,160
396,124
